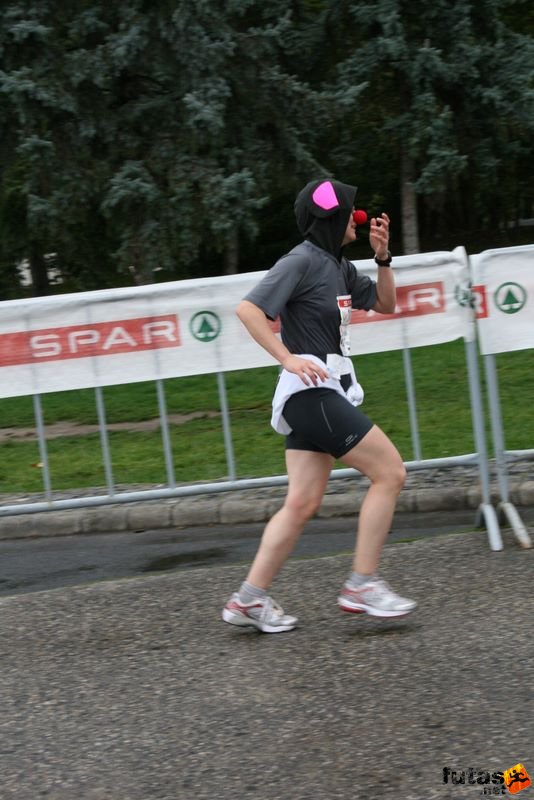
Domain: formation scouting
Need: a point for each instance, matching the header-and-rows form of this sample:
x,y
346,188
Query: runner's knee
x,y
302,506
390,474
394,475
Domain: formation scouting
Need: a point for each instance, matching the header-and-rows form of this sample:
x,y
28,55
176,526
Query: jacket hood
x,y
323,209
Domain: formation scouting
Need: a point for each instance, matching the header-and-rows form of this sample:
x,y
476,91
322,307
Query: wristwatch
x,y
384,262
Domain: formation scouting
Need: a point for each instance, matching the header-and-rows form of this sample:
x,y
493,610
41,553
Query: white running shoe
x,y
264,614
375,598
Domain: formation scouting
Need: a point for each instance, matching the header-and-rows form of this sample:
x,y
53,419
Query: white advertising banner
x,y
503,285
166,330
432,306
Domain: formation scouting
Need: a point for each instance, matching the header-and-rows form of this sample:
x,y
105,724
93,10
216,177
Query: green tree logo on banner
x,y
205,326
510,297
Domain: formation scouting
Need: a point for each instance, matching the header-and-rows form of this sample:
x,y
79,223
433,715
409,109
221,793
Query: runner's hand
x,y
379,236
308,371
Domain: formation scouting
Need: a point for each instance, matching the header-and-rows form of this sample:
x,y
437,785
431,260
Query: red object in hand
x,y
359,216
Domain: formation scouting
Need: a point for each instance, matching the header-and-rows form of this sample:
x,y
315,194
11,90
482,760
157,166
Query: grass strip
x,y
443,410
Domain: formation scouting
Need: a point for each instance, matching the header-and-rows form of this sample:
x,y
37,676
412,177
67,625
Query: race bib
x,y
344,303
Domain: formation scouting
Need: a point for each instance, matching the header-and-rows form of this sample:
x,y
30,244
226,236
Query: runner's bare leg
x,y
377,458
308,474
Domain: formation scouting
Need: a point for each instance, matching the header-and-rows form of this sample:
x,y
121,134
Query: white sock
x,y
357,579
248,592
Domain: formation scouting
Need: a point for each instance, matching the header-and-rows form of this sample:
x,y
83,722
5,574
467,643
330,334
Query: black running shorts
x,y
323,421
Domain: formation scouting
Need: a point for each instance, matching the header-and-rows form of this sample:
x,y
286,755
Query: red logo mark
x,y
412,301
97,339
480,300
344,301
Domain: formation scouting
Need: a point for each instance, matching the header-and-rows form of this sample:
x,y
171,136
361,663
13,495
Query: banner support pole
x,y
505,509
43,452
228,445
486,512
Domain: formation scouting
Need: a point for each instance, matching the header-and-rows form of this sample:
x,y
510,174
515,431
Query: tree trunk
x,y
410,227
141,273
39,272
231,253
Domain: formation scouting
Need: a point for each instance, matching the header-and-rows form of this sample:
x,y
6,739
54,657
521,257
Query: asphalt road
x,y
136,690
29,565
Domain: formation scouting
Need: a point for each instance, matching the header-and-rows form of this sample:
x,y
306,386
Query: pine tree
x,y
147,129
164,137
449,102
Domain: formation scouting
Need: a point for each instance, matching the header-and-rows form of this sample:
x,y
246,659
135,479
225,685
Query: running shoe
x,y
375,598
264,614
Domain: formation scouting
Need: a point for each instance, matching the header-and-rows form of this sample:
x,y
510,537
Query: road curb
x,y
234,508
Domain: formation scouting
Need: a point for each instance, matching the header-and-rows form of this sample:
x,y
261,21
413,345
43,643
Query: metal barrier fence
x,y
506,511
503,293
431,286
171,490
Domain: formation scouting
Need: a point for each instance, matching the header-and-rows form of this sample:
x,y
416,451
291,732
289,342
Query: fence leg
x,y
487,516
505,509
43,452
228,445
508,512
164,424
410,391
104,439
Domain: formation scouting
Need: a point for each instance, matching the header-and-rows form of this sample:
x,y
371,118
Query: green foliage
x,y
153,126
452,93
168,138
